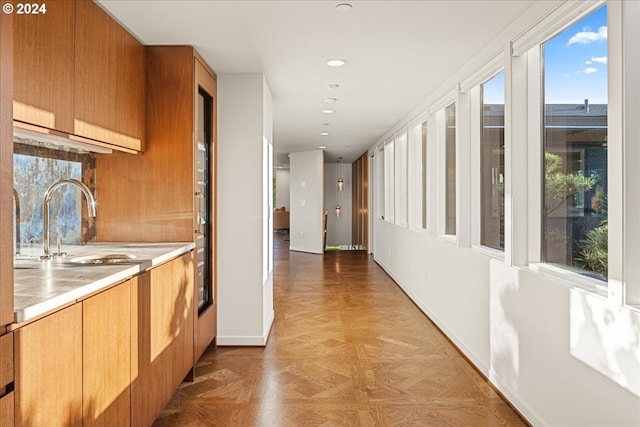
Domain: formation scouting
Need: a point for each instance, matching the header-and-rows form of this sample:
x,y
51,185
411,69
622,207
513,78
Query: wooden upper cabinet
x,y
43,67
109,100
77,71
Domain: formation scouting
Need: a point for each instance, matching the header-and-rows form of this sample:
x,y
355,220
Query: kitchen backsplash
x,y
38,165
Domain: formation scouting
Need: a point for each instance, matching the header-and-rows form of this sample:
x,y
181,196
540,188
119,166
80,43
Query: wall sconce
x,y
338,208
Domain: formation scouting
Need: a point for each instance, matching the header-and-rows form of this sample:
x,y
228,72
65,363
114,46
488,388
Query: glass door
x,y
203,196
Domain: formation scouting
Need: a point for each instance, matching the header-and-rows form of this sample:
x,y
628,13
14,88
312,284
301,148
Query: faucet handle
x,y
59,244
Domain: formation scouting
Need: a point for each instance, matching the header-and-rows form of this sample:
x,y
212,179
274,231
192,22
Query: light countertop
x,y
44,286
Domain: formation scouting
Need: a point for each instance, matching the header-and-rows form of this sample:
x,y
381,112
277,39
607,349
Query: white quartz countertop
x,y
44,286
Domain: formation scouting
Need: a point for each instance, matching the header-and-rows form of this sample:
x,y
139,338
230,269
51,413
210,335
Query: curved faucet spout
x,y
91,207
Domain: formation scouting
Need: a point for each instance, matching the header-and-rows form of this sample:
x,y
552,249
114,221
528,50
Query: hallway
x,y
347,348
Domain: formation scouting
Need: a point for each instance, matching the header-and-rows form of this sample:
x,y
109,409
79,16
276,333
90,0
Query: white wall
x,y
531,335
282,188
268,313
338,229
306,197
562,354
245,301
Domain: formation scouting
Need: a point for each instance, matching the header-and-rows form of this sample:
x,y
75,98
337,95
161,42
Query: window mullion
x,y
516,154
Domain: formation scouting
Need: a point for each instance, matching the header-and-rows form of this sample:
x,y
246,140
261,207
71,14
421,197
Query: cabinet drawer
x,y
6,360
7,411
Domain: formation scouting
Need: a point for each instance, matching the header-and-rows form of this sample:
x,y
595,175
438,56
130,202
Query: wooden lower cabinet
x,y
106,357
113,359
7,408
48,370
6,380
162,336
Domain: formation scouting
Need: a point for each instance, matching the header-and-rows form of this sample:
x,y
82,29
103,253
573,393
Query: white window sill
x,y
633,307
490,252
449,238
571,278
420,230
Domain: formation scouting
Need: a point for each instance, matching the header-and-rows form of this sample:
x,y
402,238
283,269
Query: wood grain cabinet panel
x,y
6,170
7,408
106,353
6,380
162,336
48,370
155,213
109,80
44,67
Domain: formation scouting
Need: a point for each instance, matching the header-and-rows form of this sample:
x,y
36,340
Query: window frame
x,y
389,180
401,142
417,195
534,63
478,149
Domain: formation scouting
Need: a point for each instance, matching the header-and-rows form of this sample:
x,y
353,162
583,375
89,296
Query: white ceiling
x,y
398,53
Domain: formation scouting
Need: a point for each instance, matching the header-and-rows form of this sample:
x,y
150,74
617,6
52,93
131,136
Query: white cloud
x,y
590,70
586,37
600,59
588,62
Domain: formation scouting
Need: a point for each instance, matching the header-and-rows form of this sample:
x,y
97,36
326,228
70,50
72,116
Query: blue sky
x,y
493,90
575,64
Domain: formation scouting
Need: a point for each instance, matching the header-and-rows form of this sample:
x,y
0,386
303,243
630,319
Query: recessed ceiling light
x,y
328,111
322,147
333,86
336,62
324,133
344,7
330,100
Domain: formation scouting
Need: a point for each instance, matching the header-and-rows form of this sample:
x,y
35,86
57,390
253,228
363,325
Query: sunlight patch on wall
x,y
607,338
505,341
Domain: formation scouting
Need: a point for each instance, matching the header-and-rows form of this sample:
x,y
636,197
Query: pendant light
x,y
340,185
340,180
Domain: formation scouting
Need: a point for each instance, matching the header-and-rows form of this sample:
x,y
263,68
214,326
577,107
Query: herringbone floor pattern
x,y
348,348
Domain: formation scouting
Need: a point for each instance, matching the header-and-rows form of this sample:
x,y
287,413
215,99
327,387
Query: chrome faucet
x,y
91,207
16,201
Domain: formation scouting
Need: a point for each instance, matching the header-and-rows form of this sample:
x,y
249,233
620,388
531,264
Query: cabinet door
x,y
6,166
162,336
48,370
205,208
6,380
109,80
106,350
7,403
43,67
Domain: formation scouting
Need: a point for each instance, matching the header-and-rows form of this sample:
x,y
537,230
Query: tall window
x,y
492,163
424,129
574,216
450,191
401,178
389,181
380,184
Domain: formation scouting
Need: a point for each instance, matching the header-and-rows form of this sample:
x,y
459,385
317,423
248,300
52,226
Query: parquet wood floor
x,y
347,348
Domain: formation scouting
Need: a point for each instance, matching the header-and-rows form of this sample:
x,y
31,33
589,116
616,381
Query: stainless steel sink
x,y
103,259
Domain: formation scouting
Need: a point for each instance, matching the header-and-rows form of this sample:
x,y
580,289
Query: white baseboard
x,y
231,341
247,341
